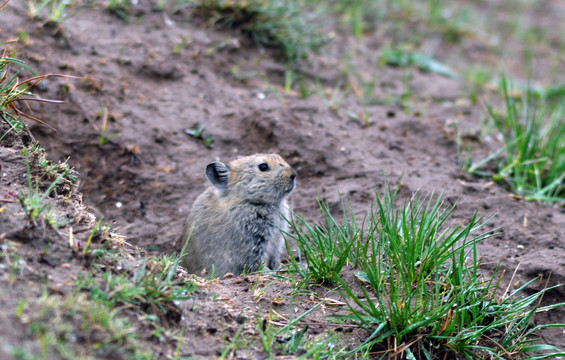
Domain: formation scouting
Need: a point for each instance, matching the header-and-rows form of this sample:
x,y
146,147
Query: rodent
x,y
235,225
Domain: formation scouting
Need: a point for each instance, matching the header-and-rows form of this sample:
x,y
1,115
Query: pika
x,y
235,225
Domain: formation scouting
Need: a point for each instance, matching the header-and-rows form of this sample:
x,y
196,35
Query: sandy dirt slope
x,y
148,173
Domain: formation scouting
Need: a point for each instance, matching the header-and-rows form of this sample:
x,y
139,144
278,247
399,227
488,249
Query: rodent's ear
x,y
218,174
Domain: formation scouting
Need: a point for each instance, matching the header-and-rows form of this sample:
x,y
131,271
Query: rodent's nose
x,y
293,175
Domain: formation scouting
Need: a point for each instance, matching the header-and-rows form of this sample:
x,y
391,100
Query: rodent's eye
x,y
263,167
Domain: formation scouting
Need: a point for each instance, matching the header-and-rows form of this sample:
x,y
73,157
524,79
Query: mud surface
x,y
148,172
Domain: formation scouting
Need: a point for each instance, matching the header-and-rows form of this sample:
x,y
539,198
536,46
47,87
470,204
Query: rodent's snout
x,y
291,182
293,175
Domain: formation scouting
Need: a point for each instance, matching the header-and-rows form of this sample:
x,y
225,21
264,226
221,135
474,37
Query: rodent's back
x,y
236,223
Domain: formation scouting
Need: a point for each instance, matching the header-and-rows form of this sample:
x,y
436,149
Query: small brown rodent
x,y
235,224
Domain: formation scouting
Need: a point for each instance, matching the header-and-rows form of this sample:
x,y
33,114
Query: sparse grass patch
x,y
402,58
9,92
197,132
451,21
12,91
37,158
418,291
58,178
293,339
122,8
532,160
34,203
104,138
325,249
11,261
285,25
283,337
64,325
55,9
151,286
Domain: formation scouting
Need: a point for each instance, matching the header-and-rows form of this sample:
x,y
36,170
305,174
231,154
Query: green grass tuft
x,y
401,58
532,160
12,91
285,25
34,203
417,282
121,8
153,286
74,327
325,249
57,10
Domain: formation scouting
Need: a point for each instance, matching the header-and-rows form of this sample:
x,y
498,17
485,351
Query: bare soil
x,y
144,178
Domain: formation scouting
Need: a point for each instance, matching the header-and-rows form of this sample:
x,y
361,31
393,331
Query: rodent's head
x,y
259,178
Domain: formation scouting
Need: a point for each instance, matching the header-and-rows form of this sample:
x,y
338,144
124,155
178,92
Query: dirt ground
x,y
145,177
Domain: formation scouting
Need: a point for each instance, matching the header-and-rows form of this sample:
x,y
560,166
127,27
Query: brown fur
x,y
235,224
